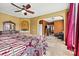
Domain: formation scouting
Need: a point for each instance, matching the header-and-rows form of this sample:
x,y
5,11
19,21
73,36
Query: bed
x,y
22,45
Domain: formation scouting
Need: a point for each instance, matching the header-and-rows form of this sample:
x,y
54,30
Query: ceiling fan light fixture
x,y
23,11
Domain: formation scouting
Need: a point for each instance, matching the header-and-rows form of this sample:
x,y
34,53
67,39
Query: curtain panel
x,y
70,27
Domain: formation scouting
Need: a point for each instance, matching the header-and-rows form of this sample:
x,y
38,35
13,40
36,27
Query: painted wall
x,y
16,20
35,21
5,17
33,26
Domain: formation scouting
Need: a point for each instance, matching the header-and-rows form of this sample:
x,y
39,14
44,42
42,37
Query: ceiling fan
x,y
24,8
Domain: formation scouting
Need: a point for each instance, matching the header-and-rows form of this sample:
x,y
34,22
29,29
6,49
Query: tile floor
x,y
56,47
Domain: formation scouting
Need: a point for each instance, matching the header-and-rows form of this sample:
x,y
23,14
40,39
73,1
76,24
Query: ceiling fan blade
x,y
16,6
18,11
30,11
28,6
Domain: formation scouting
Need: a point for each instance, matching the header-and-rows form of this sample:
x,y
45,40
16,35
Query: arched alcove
x,y
24,25
9,26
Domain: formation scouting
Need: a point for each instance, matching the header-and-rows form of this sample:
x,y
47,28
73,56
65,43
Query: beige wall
x,y
16,20
33,22
5,17
33,26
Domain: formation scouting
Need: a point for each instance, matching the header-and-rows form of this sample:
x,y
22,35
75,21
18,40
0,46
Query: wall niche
x,y
24,25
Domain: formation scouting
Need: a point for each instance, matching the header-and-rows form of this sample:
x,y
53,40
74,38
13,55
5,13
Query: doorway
x,y
52,26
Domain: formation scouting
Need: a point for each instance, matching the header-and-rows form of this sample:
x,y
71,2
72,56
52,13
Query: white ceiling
x,y
38,8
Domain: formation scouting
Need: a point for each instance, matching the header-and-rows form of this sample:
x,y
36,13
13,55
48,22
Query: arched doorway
x,y
52,25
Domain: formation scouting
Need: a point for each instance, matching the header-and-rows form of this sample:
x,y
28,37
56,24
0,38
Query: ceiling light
x,y
23,11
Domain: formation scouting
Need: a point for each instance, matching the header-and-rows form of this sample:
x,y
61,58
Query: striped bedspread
x,y
22,45
11,47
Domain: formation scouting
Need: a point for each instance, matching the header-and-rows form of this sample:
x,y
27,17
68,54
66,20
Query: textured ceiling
x,y
38,8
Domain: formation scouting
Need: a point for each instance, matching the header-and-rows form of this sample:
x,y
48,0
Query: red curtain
x,y
70,27
76,49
